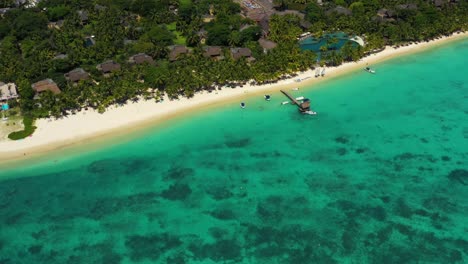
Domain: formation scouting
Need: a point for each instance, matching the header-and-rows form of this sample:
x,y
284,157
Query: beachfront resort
x,y
244,131
93,55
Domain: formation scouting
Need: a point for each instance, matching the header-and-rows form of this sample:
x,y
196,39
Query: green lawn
x,y
12,124
185,2
180,40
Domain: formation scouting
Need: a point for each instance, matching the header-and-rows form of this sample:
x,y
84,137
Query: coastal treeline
x,y
87,48
388,22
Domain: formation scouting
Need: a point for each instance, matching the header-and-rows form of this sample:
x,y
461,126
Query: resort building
x,y
76,75
45,85
264,24
99,8
385,15
213,52
208,18
55,25
108,67
266,44
83,15
140,58
439,3
89,41
176,51
3,11
238,53
407,6
60,57
8,91
291,12
202,35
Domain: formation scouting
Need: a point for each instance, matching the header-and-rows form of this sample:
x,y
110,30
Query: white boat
x,y
242,105
285,102
309,113
323,72
317,72
295,89
300,98
267,97
369,70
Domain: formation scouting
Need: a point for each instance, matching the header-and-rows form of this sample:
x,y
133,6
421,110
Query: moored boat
x,y
317,72
309,112
242,105
369,70
267,97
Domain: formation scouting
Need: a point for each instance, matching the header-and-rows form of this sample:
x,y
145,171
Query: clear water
x,y
378,176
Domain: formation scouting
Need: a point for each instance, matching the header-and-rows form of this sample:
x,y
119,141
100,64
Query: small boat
x,y
285,102
295,89
267,97
300,98
242,105
309,112
317,72
369,70
323,72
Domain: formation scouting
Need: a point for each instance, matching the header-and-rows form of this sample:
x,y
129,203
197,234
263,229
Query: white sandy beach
x,y
76,129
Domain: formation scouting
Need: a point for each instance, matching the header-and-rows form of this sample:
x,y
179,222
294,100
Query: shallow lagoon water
x,y
380,175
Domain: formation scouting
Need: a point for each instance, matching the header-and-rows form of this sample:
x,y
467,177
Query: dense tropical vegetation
x,y
118,29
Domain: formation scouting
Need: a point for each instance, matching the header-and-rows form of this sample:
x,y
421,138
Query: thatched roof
x,y
267,44
291,12
140,58
408,6
46,85
108,66
241,52
83,14
212,51
264,25
439,3
176,51
385,13
76,75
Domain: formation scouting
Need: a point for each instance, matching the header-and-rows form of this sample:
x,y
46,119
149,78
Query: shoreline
x,y
88,127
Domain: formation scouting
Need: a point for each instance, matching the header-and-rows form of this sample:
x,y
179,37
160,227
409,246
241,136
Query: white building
x,y
8,91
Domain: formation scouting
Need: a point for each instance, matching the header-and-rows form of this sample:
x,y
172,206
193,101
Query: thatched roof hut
x,y
140,58
46,85
76,75
108,66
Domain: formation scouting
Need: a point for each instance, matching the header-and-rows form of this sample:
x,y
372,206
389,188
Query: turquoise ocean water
x,y
380,175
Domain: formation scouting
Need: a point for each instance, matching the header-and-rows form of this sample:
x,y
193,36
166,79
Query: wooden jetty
x,y
303,107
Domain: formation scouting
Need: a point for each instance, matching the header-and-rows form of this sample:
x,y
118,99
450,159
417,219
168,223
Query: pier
x,y
303,107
